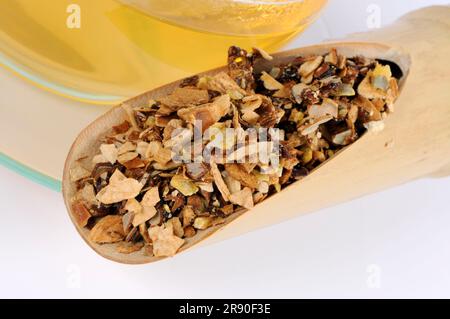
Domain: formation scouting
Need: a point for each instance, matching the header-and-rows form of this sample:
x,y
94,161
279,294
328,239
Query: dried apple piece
x,y
207,114
243,198
240,174
182,97
309,67
78,172
119,189
165,243
107,230
110,152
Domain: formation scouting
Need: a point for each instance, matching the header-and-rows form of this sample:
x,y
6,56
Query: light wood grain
x,y
414,144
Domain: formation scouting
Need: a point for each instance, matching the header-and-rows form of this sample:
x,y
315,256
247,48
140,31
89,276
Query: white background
x,y
391,244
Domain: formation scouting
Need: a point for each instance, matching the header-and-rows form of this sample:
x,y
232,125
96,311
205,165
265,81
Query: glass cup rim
x,y
267,2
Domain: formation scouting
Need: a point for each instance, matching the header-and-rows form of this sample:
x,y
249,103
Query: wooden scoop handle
x,y
422,120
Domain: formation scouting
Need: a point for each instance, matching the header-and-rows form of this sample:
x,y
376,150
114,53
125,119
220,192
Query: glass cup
x,y
104,51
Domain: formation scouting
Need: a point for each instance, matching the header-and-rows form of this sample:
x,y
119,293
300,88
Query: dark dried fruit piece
x,y
240,68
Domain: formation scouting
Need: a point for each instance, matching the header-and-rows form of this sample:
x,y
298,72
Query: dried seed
x,y
307,155
345,90
141,149
232,184
206,187
127,221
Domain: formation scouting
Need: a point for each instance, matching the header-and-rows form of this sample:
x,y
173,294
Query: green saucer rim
x,y
30,173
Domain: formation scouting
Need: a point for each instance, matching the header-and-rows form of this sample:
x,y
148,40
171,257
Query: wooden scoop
x,y
415,142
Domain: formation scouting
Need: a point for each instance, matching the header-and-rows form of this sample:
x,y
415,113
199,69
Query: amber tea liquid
x,y
123,48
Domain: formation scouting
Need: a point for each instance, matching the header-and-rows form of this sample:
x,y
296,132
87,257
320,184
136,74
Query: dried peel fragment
x,y
80,213
218,180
